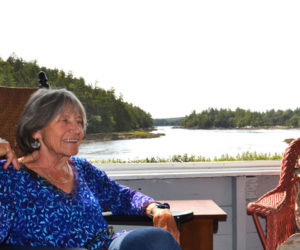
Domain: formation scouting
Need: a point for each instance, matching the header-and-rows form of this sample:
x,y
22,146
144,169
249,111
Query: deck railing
x,y
230,184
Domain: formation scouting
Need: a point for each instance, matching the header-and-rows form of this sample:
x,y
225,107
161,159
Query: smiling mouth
x,y
71,140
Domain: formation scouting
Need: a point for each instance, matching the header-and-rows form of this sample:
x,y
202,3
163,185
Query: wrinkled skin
x,y
163,218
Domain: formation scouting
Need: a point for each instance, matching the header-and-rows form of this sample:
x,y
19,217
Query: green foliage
x,y
240,118
246,156
168,121
94,123
105,112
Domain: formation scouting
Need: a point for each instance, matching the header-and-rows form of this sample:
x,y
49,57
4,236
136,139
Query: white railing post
x,y
239,219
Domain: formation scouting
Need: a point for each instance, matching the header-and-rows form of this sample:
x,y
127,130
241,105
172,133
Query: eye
x,y
63,119
80,122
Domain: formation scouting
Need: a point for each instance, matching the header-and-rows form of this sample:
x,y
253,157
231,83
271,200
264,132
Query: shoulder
x,y
9,171
8,175
83,165
79,161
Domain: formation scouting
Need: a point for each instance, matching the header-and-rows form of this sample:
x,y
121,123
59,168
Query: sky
x,y
168,57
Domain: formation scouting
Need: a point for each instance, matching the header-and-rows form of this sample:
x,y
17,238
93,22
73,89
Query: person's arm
x,y
11,158
163,218
113,196
7,152
125,200
120,199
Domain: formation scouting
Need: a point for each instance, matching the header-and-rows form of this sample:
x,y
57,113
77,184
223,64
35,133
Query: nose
x,y
75,127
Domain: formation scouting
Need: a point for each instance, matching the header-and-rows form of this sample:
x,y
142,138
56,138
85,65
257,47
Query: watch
x,y
161,206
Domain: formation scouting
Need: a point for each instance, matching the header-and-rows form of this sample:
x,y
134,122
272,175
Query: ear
x,y
37,135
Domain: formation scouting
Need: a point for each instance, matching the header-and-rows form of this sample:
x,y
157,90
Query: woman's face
x,y
63,135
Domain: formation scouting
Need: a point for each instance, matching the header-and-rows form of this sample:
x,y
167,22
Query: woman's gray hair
x,y
42,107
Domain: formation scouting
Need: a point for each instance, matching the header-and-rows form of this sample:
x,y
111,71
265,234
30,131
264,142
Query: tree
x,y
105,112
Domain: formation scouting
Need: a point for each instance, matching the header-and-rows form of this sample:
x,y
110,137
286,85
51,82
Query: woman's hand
x,y
11,158
163,218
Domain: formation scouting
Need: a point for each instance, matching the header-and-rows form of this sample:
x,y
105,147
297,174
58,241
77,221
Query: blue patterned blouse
x,y
35,212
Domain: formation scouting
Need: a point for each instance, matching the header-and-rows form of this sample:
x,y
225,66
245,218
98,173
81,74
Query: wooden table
x,y
195,234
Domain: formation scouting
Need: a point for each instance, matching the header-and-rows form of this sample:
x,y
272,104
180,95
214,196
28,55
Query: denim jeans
x,y
149,238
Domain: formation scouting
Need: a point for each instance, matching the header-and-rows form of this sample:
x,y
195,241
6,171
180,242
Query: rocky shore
x,y
120,136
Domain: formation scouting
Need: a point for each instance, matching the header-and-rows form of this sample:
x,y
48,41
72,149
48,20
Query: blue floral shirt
x,y
35,212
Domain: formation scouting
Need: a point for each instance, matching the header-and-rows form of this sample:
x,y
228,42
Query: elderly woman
x,y
56,199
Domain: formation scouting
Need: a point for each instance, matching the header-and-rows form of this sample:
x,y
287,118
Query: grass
x,y
246,156
136,134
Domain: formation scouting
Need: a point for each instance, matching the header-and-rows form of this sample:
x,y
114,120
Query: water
x,y
207,143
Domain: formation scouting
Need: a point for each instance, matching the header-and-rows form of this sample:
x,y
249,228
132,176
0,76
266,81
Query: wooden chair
x,y
12,102
278,205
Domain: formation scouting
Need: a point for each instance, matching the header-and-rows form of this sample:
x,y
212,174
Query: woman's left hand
x,y
163,218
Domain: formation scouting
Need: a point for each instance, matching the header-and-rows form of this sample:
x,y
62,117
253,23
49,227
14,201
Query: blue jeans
x,y
149,238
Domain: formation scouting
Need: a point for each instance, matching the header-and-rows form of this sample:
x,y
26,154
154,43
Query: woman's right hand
x,y
163,218
11,158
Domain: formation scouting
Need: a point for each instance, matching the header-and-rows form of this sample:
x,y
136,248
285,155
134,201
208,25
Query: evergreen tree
x,y
240,118
105,112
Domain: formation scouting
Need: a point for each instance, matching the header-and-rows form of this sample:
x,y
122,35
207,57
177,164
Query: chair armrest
x,y
275,207
179,216
14,247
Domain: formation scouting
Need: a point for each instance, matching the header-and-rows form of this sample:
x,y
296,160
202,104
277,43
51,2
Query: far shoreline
x,y
241,128
147,134
138,134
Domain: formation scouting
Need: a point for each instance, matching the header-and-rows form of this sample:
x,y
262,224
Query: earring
x,y
35,144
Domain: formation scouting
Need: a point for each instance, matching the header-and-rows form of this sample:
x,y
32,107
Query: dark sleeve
x,y
5,202
113,196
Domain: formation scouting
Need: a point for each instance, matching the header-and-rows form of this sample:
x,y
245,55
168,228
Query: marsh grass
x,y
246,156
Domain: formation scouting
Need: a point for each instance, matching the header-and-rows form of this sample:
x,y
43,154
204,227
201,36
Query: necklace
x,y
56,181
